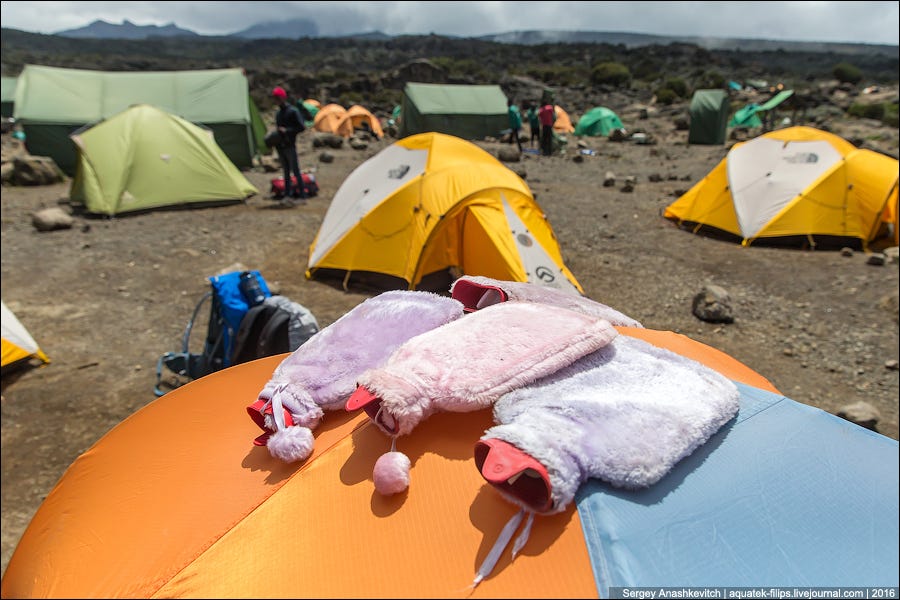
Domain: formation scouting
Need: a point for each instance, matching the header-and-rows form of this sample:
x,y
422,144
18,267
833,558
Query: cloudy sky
x,y
865,22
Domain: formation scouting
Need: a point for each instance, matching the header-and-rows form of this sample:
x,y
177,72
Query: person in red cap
x,y
289,124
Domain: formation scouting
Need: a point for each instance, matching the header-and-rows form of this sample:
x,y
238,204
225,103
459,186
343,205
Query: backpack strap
x,y
275,335
184,363
248,335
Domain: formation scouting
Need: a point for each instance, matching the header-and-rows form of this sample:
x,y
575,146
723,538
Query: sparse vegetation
x,y
882,111
847,73
611,73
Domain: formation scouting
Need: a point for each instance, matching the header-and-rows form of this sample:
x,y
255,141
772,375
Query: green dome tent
x,y
598,121
145,158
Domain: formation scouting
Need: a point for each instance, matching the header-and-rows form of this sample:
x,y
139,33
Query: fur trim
x,y
531,292
391,473
291,444
467,364
625,414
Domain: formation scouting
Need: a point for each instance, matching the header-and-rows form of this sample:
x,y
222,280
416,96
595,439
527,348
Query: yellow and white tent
x,y
431,207
798,183
18,344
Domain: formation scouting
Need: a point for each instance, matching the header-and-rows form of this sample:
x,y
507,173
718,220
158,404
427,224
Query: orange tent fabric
x,y
314,102
358,116
563,123
328,118
176,502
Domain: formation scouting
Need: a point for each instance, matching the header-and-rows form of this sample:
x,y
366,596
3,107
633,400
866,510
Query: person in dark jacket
x,y
289,124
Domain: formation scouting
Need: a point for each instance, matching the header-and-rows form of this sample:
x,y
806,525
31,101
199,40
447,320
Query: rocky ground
x,y
106,297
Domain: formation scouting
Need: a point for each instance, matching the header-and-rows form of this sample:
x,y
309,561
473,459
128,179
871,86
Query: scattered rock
x,y
507,154
862,413
36,170
713,305
51,219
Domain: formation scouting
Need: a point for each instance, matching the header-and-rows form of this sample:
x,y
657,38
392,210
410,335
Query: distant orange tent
x,y
329,118
357,117
314,102
563,123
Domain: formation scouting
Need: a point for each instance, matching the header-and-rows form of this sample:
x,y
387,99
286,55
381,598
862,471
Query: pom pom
x,y
391,473
291,443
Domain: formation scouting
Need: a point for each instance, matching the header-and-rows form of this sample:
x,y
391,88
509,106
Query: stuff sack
x,y
276,326
309,183
274,139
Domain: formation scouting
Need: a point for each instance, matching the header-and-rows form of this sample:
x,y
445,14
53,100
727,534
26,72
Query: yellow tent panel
x,y
17,343
563,122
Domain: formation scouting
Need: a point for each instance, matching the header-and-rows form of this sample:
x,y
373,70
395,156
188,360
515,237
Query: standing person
x,y
534,124
289,124
547,116
515,123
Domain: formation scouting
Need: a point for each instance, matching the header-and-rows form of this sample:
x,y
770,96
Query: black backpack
x,y
263,332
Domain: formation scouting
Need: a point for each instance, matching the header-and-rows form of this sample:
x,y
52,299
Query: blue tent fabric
x,y
783,495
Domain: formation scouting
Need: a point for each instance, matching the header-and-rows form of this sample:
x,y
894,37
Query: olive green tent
x,y
466,111
709,117
598,121
8,95
145,158
51,103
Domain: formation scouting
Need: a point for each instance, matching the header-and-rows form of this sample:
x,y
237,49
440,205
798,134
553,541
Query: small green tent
x,y
8,95
146,158
747,116
709,117
466,111
51,103
311,109
598,121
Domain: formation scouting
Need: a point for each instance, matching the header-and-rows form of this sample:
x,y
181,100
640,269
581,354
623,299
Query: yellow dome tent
x,y
358,117
430,205
329,118
798,184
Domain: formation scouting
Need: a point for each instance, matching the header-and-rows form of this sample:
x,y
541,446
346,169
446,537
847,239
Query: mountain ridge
x,y
293,29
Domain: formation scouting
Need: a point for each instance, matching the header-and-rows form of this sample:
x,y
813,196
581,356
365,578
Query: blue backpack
x,y
228,306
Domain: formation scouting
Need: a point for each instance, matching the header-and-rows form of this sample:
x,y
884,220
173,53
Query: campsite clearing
x,y
107,297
